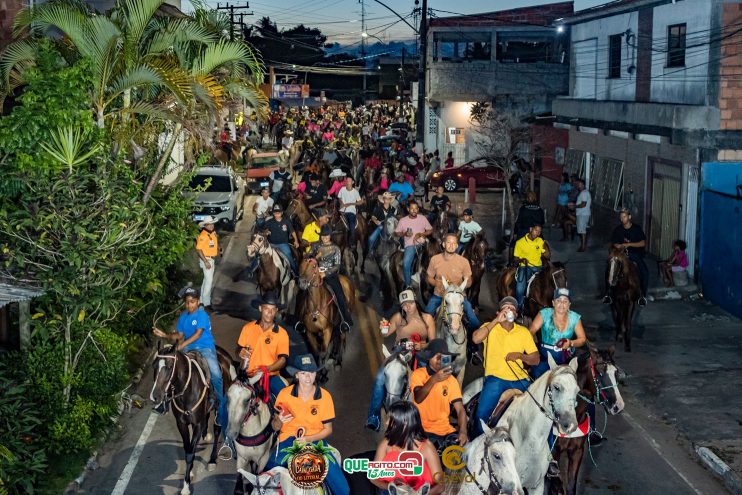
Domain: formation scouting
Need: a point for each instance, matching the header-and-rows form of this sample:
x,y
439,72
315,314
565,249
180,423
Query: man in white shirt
x,y
583,204
262,208
350,198
288,140
468,228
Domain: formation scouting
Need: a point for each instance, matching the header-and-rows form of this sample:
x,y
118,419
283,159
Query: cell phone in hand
x,y
445,361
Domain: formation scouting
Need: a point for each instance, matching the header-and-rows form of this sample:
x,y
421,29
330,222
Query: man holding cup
x,y
507,347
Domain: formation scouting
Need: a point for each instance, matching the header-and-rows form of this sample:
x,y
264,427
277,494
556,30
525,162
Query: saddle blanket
x,y
582,430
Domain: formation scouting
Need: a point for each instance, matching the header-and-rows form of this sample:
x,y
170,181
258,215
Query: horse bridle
x,y
486,459
619,275
254,403
258,248
169,391
600,396
448,313
548,393
315,273
263,490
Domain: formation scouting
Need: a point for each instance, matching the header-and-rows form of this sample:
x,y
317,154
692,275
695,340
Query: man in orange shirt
x,y
262,343
434,391
207,247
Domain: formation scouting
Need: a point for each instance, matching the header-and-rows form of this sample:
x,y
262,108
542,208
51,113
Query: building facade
x,y
654,92
515,60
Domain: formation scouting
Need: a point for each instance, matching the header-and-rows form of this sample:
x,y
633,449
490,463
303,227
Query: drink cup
x,y
384,326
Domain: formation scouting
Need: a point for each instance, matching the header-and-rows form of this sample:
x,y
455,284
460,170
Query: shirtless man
x,y
410,325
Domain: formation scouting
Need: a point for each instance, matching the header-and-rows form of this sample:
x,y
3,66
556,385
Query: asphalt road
x,y
642,455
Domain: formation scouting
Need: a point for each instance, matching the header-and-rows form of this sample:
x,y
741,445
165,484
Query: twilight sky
x,y
340,20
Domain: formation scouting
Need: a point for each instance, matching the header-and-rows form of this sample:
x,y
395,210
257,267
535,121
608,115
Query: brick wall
x,y
730,97
8,10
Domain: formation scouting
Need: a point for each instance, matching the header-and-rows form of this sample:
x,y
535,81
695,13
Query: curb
x,y
712,461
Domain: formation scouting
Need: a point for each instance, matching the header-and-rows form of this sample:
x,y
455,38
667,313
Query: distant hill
x,y
393,48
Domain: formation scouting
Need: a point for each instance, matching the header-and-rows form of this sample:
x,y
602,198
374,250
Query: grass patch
x,y
62,470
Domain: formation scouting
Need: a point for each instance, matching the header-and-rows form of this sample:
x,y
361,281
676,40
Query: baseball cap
x,y
406,296
562,292
325,230
508,300
435,346
277,207
468,211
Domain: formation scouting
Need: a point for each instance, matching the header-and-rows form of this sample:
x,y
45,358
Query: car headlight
x,y
251,179
225,208
436,175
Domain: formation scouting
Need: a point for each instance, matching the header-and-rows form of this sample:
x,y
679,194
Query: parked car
x,y
486,175
223,196
258,169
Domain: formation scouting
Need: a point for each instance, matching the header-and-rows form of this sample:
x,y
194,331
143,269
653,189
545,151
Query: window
x,y
606,183
458,47
676,45
614,56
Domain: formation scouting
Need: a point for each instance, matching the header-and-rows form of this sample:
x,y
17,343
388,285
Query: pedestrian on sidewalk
x,y
630,237
207,247
582,206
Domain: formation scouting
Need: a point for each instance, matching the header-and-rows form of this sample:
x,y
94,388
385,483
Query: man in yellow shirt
x,y
527,254
264,344
507,346
310,235
207,247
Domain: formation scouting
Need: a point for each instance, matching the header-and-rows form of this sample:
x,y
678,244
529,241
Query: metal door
x,y
664,214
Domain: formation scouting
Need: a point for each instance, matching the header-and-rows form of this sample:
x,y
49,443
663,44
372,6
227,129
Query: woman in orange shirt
x,y
404,432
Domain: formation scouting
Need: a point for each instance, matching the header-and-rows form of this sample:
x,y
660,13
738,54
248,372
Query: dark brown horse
x,y
442,223
181,380
420,266
274,271
597,377
475,252
622,281
540,292
505,281
298,214
319,314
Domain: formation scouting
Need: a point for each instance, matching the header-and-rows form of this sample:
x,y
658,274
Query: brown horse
x,y
318,312
274,271
540,292
622,281
442,223
597,377
475,252
424,253
298,214
505,281
182,380
235,155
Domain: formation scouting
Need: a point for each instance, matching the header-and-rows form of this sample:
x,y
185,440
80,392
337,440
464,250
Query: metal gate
x,y
664,214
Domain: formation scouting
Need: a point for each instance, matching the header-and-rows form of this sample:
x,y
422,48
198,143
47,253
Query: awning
x,y
17,293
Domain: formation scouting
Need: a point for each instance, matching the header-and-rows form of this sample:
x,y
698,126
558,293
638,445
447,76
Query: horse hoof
x,y
186,490
211,467
209,437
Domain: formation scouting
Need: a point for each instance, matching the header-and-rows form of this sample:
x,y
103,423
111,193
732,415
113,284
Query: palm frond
x,y
254,63
139,13
218,54
161,112
72,22
179,31
250,92
174,78
140,75
14,60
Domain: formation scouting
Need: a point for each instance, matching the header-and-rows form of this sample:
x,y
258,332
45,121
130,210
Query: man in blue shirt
x,y
193,333
402,187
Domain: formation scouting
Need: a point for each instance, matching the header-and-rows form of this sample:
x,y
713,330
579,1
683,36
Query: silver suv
x,y
223,198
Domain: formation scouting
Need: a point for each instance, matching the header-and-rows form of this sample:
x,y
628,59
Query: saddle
x,y
202,364
503,404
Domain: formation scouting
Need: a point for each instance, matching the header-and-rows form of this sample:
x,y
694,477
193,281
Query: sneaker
x,y
607,299
595,439
345,326
476,358
642,301
373,423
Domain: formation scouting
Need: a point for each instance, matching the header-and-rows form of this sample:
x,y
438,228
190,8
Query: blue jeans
x,y
335,479
378,392
286,250
490,396
560,357
522,276
435,301
374,238
641,267
352,224
209,355
276,385
407,261
462,246
259,223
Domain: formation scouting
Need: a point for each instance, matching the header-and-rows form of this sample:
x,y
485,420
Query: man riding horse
x,y
630,237
329,259
527,253
414,229
281,231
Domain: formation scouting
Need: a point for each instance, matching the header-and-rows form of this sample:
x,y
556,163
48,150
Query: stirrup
x,y
344,326
607,299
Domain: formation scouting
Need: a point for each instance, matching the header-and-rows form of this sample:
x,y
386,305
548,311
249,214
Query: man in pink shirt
x,y
415,229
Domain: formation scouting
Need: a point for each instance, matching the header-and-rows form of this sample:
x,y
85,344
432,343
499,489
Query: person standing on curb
x,y
207,247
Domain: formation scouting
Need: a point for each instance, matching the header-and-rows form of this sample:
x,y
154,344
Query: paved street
x,y
644,452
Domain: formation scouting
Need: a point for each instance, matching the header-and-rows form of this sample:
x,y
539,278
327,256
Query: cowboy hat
x,y
325,230
269,298
210,220
337,172
387,195
303,362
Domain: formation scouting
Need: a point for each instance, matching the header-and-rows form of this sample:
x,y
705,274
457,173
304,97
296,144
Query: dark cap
x,y
269,299
325,230
468,212
277,207
561,292
303,362
189,291
435,346
508,300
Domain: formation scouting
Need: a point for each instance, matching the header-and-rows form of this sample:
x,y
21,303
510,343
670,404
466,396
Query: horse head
x,y
605,375
264,483
389,226
395,377
617,260
308,273
165,367
258,244
453,302
561,393
559,275
499,460
397,487
243,401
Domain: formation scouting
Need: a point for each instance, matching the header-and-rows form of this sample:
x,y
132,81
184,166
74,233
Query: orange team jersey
x,y
207,243
266,345
310,415
436,407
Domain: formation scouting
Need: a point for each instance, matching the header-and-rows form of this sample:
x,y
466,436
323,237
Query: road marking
x,y
125,477
656,447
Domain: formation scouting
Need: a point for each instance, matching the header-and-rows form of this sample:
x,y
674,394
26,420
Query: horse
x,y
183,380
235,153
424,253
318,312
550,400
274,270
298,214
442,223
388,245
622,281
396,375
476,253
597,377
505,281
449,324
541,289
250,426
277,481
399,488
490,460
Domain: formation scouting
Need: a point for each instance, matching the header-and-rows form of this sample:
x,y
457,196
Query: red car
x,y
458,177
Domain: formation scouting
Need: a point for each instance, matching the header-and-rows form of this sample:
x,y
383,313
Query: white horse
x,y
396,376
550,400
402,489
249,425
277,481
280,278
490,459
449,324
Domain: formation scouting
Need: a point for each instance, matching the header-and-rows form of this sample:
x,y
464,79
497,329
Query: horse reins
x,y
185,386
486,458
448,314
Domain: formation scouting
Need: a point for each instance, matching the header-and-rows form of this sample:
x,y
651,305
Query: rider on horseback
x,y
468,229
527,254
329,259
316,193
349,199
631,237
279,177
310,235
280,232
193,333
438,203
378,217
415,229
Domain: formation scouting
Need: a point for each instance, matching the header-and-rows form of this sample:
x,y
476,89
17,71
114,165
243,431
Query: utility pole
x,y
231,8
423,54
401,83
363,46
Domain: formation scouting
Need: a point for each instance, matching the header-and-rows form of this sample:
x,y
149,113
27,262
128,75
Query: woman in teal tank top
x,y
561,331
